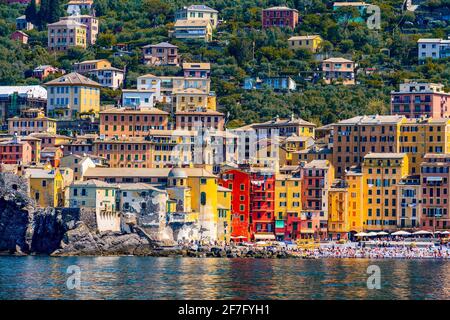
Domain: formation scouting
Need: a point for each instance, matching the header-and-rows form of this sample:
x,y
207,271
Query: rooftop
x,y
73,78
371,120
200,7
134,111
388,155
279,8
160,45
143,172
192,23
311,37
197,65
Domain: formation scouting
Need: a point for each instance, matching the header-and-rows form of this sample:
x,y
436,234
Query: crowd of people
x,y
376,252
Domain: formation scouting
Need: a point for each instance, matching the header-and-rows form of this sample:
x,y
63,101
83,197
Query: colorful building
x,y
46,186
435,178
239,183
417,100
73,96
15,151
355,137
262,204
338,211
161,54
288,206
101,197
198,12
282,17
317,177
224,214
193,29
355,182
338,70
421,136
31,121
66,34
409,202
196,69
381,173
126,122
20,36
91,23
310,43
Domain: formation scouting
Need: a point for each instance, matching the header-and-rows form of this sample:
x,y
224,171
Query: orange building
x,y
131,152
132,122
188,120
15,152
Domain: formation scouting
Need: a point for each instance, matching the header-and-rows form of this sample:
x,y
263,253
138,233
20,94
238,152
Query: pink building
x,y
282,17
161,54
416,100
317,177
206,119
15,152
20,36
435,177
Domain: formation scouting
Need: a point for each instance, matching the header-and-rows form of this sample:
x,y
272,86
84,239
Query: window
x,y
203,198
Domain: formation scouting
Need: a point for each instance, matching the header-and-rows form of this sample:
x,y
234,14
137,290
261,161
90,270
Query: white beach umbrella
x,y
421,232
382,233
445,232
400,233
361,234
372,234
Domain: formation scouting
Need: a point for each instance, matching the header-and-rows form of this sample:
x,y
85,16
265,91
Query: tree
x,y
54,11
31,12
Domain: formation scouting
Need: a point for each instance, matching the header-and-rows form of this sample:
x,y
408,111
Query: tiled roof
x,y
73,78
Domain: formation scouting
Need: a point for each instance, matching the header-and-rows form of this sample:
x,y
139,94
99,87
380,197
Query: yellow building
x,y
421,136
46,186
288,205
193,99
193,29
354,181
203,193
381,173
31,121
89,65
338,210
223,214
311,43
73,96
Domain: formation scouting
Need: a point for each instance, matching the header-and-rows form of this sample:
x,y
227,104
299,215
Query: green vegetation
x,y
241,49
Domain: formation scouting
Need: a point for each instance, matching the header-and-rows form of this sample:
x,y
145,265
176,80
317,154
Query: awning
x,y
264,236
434,179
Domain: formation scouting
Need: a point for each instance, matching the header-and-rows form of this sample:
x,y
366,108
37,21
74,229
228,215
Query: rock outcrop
x,y
26,229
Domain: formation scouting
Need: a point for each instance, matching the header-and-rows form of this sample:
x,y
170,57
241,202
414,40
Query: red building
x,y
15,152
20,36
282,17
239,182
262,204
416,100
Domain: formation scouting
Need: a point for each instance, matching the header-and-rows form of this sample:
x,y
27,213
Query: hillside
x,y
241,49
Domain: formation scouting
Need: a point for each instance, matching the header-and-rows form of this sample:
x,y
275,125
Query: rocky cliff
x,y
26,229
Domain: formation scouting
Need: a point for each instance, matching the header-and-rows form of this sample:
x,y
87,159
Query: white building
x,y
147,93
198,12
109,77
433,48
98,195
